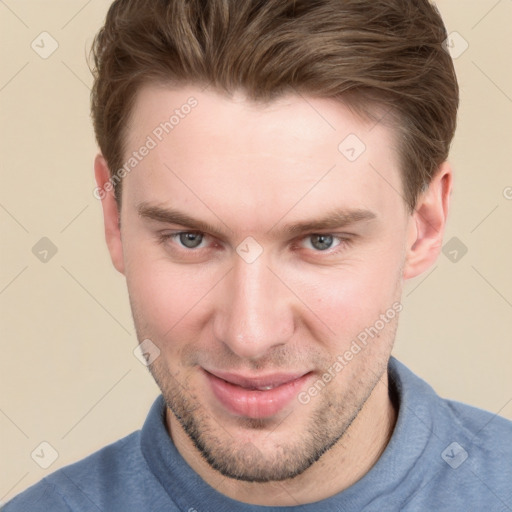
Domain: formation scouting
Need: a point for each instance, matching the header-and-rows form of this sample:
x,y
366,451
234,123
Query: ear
x,y
427,224
111,214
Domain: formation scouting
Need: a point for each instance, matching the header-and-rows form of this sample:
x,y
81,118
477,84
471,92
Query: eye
x,y
191,240
185,239
322,242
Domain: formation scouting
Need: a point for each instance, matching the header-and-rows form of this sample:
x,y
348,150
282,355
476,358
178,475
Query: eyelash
x,y
344,242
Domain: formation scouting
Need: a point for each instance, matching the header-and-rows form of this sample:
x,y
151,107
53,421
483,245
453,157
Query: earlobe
x,y
427,224
111,214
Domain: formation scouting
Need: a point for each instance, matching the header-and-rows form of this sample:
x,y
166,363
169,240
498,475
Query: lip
x,y
231,390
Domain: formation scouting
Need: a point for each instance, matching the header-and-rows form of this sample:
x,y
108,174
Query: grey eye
x,y
191,239
321,242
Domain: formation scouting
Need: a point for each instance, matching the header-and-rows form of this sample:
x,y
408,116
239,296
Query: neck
x,y
339,468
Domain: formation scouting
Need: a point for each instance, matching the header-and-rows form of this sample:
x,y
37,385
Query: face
x,y
258,253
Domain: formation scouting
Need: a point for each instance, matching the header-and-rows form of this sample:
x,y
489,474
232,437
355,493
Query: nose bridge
x,y
256,314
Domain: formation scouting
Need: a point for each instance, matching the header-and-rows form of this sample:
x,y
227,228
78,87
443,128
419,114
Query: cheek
x,y
166,297
351,297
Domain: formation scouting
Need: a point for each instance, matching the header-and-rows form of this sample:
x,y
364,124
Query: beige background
x,y
68,373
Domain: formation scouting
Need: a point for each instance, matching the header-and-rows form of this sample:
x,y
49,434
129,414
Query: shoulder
x,y
467,461
488,438
82,485
482,431
40,497
418,395
473,470
479,422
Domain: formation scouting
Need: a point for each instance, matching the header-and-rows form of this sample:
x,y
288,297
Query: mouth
x,y
255,397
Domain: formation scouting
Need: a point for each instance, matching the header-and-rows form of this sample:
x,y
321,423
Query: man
x,y
270,174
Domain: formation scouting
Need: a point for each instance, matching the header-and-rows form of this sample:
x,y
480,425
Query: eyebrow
x,y
334,219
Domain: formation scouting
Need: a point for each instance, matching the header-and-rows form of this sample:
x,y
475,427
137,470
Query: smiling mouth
x,y
257,397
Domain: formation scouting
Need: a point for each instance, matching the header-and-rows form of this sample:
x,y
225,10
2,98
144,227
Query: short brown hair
x,y
388,54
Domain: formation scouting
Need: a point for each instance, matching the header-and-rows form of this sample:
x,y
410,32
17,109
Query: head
x,y
270,173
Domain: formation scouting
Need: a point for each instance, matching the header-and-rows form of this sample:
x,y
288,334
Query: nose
x,y
254,311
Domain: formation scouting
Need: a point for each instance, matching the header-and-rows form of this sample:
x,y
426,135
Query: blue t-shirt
x,y
442,456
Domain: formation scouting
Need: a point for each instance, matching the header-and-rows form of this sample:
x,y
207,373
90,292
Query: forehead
x,y
253,162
